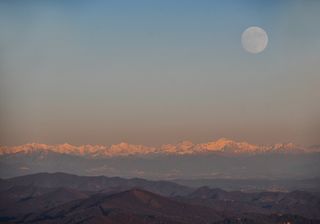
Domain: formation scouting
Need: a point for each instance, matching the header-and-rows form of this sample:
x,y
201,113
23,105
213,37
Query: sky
x,y
155,72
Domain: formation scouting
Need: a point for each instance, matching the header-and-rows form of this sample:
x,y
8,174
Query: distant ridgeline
x,y
217,159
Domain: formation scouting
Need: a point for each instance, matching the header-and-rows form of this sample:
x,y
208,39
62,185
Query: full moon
x,y
254,39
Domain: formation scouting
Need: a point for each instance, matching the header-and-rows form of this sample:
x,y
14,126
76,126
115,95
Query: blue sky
x,y
154,72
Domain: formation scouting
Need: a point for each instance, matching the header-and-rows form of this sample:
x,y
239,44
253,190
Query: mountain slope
x,y
235,202
138,206
133,206
21,200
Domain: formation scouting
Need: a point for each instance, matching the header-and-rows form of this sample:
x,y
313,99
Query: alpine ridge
x,y
222,145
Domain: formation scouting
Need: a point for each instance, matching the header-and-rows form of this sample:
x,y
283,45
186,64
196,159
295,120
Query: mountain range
x,y
223,158
222,145
64,198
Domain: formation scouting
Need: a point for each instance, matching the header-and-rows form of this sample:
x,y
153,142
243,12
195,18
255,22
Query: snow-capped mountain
x,y
222,145
222,158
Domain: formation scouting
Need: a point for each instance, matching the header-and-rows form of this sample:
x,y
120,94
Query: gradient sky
x,y
153,72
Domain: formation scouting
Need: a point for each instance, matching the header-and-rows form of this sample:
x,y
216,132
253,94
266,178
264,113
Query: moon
x,y
254,39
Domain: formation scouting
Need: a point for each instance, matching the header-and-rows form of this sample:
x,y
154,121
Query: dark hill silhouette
x,y
94,183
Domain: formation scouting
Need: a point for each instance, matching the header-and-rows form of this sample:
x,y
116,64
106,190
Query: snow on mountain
x,y
222,145
125,149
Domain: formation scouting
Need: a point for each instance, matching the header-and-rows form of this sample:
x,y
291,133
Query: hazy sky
x,y
153,72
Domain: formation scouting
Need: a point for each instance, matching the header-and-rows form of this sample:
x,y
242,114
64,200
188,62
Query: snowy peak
x,y
227,145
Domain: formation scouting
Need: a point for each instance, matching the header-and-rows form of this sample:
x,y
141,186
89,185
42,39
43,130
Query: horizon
x,y
161,179
222,139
